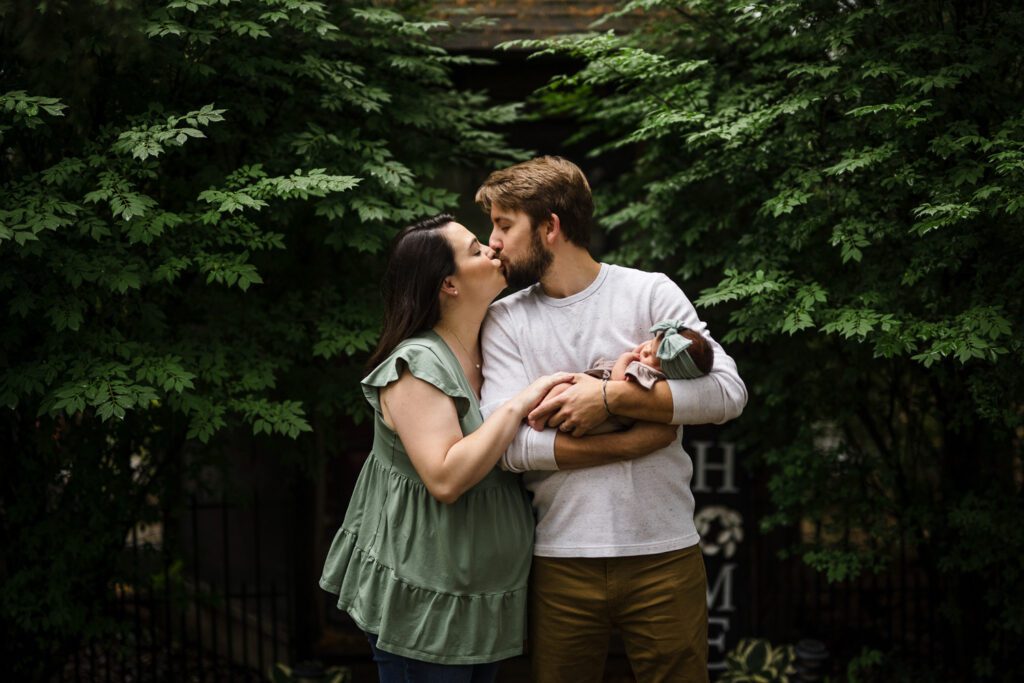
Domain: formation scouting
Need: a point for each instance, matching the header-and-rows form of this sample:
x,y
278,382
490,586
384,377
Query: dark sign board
x,y
722,520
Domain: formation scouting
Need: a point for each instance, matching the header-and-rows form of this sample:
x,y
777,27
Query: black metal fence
x,y
200,601
895,608
192,607
755,592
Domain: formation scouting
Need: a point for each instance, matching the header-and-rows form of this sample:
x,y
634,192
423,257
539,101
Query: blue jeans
x,y
392,668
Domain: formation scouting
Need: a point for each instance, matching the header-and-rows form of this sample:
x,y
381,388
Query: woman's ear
x,y
448,287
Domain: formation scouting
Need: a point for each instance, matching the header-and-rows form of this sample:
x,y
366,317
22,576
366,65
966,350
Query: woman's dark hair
x,y
421,258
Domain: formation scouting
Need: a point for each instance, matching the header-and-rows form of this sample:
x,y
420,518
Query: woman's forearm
x,y
449,462
472,457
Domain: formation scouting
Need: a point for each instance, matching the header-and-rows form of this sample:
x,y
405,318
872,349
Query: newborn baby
x,y
675,352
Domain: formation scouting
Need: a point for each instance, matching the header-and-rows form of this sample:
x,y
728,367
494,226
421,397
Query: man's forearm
x,y
573,453
629,399
712,399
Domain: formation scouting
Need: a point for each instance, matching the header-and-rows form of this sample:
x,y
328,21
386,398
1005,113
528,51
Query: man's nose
x,y
493,242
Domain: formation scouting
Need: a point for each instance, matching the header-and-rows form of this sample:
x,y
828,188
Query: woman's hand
x,y
527,399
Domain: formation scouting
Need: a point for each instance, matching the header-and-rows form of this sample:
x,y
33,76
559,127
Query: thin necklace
x,y
445,328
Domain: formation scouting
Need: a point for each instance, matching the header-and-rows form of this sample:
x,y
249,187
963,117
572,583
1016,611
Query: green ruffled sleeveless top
x,y
435,582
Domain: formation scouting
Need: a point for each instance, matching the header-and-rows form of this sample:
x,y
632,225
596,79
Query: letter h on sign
x,y
702,464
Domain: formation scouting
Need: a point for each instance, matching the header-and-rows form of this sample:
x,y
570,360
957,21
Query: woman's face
x,y
478,273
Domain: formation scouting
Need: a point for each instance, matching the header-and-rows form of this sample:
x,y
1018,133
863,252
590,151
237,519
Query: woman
x,y
433,556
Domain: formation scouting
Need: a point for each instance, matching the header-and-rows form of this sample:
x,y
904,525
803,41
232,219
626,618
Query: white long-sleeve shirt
x,y
638,507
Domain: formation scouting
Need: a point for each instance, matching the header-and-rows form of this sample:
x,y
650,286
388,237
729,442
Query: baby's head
x,y
685,355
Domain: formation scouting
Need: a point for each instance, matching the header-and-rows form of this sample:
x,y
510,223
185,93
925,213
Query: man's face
x,y
524,257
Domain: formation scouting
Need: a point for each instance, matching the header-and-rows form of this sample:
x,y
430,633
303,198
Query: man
x,y
615,543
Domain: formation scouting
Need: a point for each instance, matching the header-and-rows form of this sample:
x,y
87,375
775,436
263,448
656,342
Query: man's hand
x,y
554,391
575,410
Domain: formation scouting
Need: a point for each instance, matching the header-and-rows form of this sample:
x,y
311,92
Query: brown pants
x,y
658,602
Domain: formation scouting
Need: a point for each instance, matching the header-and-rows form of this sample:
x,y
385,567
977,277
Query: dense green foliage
x,y
846,180
194,195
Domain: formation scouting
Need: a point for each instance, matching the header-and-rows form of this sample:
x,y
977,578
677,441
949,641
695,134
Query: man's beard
x,y
532,268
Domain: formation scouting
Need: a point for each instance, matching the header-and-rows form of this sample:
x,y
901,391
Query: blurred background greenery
x,y
196,198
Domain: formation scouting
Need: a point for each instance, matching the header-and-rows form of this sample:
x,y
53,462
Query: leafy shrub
x,y
845,181
194,197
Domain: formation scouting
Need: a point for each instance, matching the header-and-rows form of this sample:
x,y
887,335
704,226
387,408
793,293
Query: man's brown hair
x,y
541,187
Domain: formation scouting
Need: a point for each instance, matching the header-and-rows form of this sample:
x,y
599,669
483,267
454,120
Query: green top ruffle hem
x,y
439,583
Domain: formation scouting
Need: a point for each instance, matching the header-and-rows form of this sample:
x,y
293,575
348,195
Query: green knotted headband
x,y
676,362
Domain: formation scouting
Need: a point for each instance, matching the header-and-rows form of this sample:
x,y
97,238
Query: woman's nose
x,y
491,253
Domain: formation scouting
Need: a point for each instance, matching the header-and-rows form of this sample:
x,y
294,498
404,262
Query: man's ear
x,y
552,229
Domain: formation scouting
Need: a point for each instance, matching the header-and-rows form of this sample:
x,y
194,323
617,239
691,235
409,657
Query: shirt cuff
x,y
530,450
681,398
540,449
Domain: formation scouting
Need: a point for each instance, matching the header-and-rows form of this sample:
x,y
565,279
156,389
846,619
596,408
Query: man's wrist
x,y
612,393
604,397
629,399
